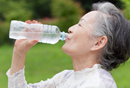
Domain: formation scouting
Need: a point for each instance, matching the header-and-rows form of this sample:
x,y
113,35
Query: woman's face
x,y
79,41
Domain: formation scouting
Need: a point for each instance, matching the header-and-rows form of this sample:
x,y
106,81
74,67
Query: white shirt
x,y
94,77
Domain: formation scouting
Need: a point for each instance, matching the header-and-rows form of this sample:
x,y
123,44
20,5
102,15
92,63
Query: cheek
x,y
77,45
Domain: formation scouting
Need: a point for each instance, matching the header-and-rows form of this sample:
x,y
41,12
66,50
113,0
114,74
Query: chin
x,y
64,48
67,49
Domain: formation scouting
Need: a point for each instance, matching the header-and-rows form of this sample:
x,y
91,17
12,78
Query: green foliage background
x,y
11,10
68,13
86,4
126,10
45,60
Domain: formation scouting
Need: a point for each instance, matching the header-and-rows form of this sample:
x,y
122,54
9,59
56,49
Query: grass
x,y
45,60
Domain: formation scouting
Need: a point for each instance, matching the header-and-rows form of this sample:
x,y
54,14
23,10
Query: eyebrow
x,y
83,19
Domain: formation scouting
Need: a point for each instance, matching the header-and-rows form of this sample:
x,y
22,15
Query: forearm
x,y
18,60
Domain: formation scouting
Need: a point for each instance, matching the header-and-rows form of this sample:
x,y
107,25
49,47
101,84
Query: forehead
x,y
90,17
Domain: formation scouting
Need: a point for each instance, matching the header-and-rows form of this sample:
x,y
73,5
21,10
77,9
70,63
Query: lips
x,y
67,38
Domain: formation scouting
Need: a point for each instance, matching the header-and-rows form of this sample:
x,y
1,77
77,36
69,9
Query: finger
x,y
29,22
34,42
39,23
34,21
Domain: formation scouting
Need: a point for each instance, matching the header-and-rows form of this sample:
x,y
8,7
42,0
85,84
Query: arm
x,y
19,53
16,78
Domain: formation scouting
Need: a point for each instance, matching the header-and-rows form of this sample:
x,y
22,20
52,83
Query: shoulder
x,y
106,79
65,74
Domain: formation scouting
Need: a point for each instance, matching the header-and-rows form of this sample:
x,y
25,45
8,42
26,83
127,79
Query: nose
x,y
71,29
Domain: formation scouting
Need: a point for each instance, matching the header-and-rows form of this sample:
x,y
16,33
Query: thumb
x,y
32,43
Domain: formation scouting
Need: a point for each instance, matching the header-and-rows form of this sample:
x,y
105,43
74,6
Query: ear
x,y
99,43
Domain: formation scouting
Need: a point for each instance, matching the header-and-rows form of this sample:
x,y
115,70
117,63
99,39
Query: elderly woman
x,y
98,43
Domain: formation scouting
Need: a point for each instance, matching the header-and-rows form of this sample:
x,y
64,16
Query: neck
x,y
82,62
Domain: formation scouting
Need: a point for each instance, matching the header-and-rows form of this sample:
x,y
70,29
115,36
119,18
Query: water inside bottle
x,y
51,38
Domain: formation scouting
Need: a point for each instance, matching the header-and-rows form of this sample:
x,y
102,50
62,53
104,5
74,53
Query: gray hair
x,y
112,23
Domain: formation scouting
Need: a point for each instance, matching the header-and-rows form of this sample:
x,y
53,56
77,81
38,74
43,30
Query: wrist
x,y
18,53
18,60
18,57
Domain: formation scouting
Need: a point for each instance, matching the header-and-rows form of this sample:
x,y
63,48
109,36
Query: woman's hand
x,y
34,21
23,45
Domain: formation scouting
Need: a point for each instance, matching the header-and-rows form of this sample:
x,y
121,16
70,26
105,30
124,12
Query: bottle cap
x,y
63,36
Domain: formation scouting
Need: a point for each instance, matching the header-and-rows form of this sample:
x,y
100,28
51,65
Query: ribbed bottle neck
x,y
63,35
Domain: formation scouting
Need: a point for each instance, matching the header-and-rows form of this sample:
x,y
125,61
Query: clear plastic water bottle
x,y
43,33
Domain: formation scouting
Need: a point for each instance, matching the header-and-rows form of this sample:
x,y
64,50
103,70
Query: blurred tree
x,y
86,5
32,8
11,10
40,8
67,12
4,33
14,10
2,9
126,9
